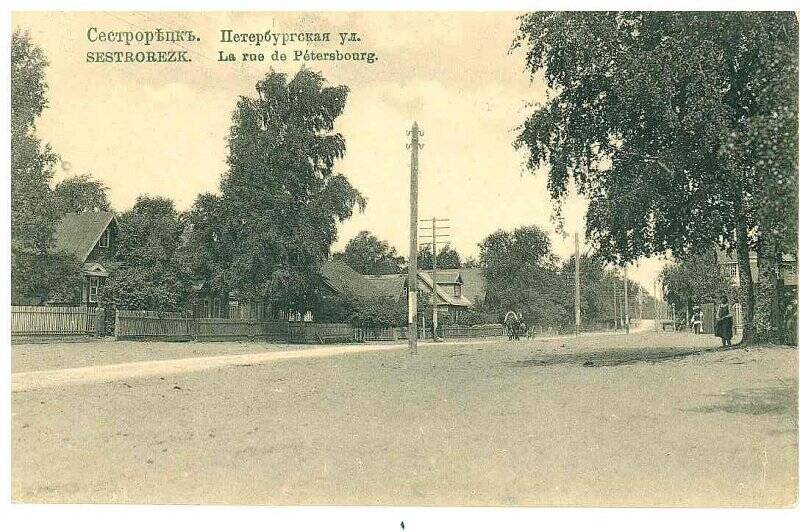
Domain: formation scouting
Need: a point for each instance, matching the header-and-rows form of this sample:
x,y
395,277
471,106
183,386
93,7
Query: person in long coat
x,y
724,323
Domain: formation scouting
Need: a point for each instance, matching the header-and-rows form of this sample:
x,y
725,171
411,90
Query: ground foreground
x,y
648,419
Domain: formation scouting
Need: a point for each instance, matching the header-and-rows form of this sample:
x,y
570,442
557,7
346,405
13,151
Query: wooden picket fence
x,y
52,321
143,324
320,333
478,331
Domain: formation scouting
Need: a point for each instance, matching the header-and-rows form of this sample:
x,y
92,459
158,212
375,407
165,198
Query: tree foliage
x,y
275,221
368,255
654,117
522,275
80,193
446,258
32,217
694,280
151,269
38,274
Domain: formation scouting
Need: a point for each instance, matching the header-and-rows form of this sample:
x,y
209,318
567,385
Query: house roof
x,y
341,278
392,285
443,294
78,233
474,287
449,276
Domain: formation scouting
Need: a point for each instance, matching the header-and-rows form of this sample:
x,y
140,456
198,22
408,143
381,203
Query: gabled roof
x,y
441,293
389,285
392,285
449,276
474,287
78,233
94,269
341,278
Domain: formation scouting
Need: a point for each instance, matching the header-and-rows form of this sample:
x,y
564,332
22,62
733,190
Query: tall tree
x,y
152,270
32,217
652,115
80,193
281,198
37,273
522,275
368,255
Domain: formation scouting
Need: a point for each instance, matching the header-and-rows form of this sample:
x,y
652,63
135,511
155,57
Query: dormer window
x,y
105,239
457,290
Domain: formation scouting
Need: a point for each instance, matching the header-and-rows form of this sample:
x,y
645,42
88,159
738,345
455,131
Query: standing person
x,y
697,320
724,324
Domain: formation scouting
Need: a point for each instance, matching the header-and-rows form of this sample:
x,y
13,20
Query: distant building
x,y
456,289
91,237
729,267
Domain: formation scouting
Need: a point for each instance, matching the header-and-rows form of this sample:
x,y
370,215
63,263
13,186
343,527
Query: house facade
x,y
92,238
729,267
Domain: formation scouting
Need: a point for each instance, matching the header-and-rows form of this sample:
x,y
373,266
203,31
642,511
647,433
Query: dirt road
x,y
642,419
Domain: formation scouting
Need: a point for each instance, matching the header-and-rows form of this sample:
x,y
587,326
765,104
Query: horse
x,y
512,325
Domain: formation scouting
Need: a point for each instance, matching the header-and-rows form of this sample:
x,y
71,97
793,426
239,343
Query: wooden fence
x,y
320,333
52,321
142,324
478,331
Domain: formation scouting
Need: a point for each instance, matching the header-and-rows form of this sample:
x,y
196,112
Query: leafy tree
x,y
37,273
522,275
32,217
654,115
44,277
368,255
446,258
151,272
281,199
80,193
693,281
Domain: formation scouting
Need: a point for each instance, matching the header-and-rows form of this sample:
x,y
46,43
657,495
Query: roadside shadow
x,y
618,356
776,400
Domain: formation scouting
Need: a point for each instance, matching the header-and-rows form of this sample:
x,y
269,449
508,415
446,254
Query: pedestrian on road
x,y
724,324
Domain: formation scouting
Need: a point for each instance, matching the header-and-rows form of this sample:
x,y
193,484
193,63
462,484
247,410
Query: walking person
x,y
724,323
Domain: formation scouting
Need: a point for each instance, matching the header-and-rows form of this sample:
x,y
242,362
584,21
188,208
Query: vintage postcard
x,y
404,258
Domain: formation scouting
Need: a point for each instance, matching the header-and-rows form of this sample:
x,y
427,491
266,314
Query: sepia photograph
x,y
405,259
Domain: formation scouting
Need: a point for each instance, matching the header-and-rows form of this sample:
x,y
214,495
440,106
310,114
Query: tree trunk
x,y
748,298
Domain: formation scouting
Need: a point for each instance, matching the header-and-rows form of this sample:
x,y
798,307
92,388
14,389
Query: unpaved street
x,y
643,419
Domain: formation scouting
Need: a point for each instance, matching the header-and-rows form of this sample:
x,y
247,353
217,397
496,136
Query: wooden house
x,y
91,237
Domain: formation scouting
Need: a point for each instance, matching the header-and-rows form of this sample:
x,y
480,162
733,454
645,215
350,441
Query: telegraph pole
x,y
627,322
412,252
577,286
434,236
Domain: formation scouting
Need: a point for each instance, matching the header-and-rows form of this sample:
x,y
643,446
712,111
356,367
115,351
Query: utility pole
x,y
434,240
614,284
412,252
639,297
625,281
577,286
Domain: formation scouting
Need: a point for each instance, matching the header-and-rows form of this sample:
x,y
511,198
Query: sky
x,y
160,129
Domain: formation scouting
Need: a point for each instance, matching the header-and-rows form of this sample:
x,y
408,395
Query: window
x,y
105,239
94,289
457,290
206,308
